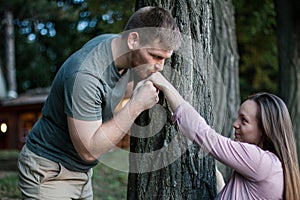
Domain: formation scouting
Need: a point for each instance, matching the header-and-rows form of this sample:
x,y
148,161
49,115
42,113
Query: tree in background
x,y
166,165
288,20
226,90
10,58
3,90
25,18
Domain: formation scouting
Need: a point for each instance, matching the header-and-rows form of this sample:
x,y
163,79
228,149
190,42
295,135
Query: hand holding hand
x,y
159,81
171,94
145,95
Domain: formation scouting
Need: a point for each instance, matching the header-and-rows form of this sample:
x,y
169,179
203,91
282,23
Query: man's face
x,y
148,60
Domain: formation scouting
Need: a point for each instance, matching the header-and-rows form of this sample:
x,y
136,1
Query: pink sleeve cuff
x,y
178,112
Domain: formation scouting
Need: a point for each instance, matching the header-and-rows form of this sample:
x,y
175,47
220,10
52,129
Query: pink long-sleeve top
x,y
258,174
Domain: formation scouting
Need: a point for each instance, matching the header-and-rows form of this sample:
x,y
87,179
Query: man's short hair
x,y
154,24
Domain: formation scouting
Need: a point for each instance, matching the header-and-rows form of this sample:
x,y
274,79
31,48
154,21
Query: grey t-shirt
x,y
87,87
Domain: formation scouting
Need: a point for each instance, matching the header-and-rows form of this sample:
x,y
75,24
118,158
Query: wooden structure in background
x,y
21,113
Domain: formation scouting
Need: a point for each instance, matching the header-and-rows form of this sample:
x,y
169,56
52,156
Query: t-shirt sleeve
x,y
83,96
247,159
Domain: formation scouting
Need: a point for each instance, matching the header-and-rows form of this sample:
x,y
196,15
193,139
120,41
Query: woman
x,y
263,153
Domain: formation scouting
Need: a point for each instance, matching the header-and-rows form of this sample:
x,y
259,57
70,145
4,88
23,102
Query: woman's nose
x,y
235,124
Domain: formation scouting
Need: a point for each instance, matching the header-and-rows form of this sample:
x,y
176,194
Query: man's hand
x,y
145,96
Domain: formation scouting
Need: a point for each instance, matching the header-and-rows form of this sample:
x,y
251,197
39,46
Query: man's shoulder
x,y
99,39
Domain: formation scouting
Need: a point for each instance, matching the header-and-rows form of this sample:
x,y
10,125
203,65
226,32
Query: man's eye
x,y
157,57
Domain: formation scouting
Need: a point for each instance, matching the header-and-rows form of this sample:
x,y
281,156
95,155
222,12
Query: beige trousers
x,y
40,178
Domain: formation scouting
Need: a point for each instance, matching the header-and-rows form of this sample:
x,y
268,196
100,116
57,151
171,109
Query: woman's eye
x,y
244,120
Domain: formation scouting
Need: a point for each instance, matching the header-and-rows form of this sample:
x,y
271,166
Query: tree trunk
x,y
288,15
3,92
167,165
226,98
10,54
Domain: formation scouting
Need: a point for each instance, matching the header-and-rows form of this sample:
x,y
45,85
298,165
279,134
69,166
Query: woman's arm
x,y
247,159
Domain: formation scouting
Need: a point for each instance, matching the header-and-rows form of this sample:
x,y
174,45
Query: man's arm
x,y
129,90
91,139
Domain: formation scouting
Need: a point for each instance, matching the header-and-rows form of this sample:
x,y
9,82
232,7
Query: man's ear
x,y
133,41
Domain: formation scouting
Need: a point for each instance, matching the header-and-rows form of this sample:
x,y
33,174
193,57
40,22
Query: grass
x,y
108,183
8,186
8,154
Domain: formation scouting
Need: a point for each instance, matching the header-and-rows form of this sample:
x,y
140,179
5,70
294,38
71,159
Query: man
x,y
78,123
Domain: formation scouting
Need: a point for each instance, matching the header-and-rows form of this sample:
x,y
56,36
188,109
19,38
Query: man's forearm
x,y
112,131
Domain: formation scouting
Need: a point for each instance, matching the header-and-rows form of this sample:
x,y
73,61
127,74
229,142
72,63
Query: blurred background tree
x,y
257,46
288,23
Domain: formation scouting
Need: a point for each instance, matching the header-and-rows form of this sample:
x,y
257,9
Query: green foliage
x,y
8,180
113,14
257,45
9,187
48,31
109,183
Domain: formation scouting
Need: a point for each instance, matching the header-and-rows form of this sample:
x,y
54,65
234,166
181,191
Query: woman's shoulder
x,y
273,158
269,166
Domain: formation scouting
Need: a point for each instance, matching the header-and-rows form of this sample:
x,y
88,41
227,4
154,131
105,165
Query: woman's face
x,y
246,126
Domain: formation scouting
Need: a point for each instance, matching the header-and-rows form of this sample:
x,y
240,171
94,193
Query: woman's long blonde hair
x,y
275,123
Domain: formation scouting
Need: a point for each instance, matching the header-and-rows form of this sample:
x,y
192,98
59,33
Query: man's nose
x,y
159,66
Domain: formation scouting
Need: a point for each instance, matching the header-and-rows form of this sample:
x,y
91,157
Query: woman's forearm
x,y
172,96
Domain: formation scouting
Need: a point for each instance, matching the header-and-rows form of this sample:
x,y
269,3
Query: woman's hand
x,y
159,81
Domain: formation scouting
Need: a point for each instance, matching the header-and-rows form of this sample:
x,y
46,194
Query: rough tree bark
x,y
288,23
226,98
181,170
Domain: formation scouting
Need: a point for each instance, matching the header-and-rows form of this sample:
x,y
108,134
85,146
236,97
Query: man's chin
x,y
147,76
144,76
140,76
